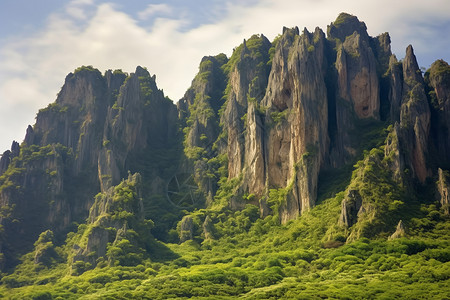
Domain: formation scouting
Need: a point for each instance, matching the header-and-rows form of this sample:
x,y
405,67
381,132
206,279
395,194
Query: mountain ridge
x,y
257,136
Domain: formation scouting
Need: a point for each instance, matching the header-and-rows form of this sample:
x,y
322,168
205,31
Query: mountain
x,y
317,157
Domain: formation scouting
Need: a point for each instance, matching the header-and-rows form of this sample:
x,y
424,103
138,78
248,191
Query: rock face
x,y
396,162
140,121
186,229
8,156
32,197
116,217
357,76
281,129
355,94
350,208
399,231
73,120
98,128
296,98
443,186
415,116
198,111
437,79
247,81
395,88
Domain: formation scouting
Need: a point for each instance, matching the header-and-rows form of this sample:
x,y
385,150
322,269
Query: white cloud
x,y
153,9
75,9
82,2
33,68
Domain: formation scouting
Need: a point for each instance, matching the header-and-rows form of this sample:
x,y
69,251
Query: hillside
x,y
312,166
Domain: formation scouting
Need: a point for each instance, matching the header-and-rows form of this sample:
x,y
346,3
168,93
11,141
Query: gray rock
x,y
399,232
351,206
443,187
186,229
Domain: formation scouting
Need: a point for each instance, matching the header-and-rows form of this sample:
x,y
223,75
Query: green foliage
x,y
276,198
254,258
254,45
279,116
120,72
54,108
125,253
341,19
273,48
437,74
145,83
85,68
438,70
45,252
368,134
194,153
382,197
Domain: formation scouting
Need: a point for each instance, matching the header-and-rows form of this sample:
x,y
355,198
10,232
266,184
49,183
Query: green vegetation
x,y
439,68
145,83
254,258
120,72
342,18
237,254
279,116
54,108
255,45
439,72
273,48
86,69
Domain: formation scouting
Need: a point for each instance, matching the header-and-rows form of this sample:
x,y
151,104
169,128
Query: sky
x,y
42,41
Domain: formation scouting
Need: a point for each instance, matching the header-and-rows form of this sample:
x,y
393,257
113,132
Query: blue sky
x,y
42,41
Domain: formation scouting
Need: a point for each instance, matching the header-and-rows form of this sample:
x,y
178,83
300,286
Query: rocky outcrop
x,y
32,194
356,64
198,110
8,156
399,231
395,88
45,252
116,217
98,128
297,137
443,187
208,228
269,118
255,167
357,76
350,207
345,25
76,118
357,85
186,229
415,117
437,79
392,151
140,121
375,195
242,119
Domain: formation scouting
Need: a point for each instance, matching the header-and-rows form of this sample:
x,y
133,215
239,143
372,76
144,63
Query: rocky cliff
x,y
99,128
261,128
115,229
